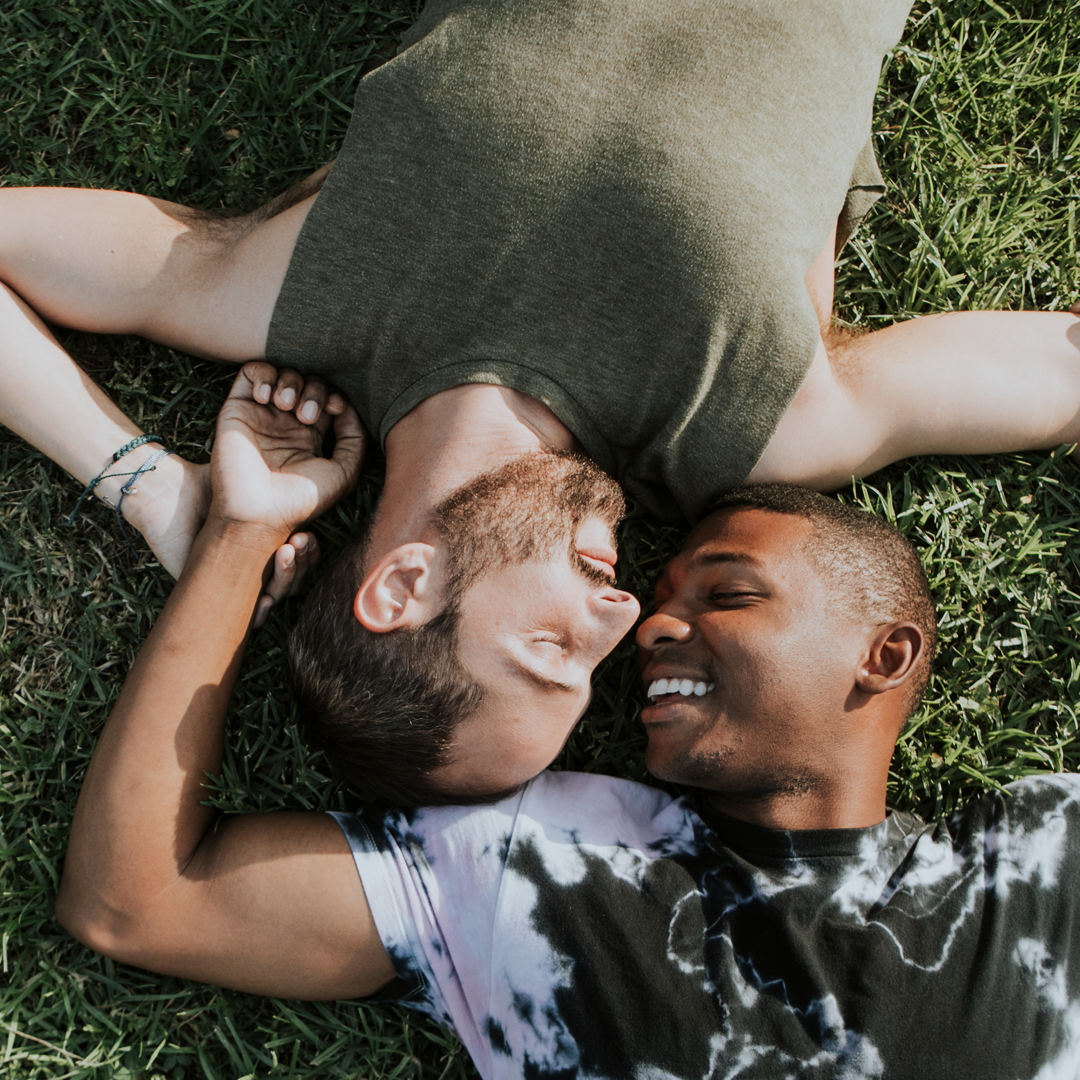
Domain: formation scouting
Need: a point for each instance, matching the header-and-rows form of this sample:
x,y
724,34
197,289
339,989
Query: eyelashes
x,y
590,572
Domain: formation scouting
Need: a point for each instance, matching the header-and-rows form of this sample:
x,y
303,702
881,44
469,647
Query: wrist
x,y
141,489
253,538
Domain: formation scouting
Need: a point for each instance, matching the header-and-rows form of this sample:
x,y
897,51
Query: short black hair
x,y
875,569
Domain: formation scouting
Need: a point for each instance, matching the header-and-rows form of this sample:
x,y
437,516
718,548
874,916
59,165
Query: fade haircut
x,y
874,569
353,687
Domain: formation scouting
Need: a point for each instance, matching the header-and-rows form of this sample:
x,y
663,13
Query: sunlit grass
x,y
220,104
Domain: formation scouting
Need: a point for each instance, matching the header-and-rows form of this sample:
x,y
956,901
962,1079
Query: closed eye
x,y
733,599
559,643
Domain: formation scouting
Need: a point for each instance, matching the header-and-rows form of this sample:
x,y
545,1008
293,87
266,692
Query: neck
x,y
446,441
853,798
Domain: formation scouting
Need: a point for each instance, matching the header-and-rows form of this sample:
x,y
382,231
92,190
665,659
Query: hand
x,y
264,469
285,572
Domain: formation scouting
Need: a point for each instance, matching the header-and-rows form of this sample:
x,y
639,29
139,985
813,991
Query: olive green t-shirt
x,y
610,205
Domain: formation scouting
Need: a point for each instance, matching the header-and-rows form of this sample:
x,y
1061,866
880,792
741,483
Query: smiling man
x,y
526,554
778,922
604,228
795,586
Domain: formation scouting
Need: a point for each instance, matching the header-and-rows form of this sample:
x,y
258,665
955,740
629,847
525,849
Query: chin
x,y
695,769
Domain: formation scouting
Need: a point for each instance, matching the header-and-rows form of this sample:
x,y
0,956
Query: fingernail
x,y
299,543
309,411
287,398
262,393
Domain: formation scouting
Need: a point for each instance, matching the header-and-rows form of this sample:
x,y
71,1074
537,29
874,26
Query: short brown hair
x,y
382,707
875,569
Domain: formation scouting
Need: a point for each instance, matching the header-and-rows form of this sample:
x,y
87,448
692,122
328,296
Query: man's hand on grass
x,y
265,472
286,572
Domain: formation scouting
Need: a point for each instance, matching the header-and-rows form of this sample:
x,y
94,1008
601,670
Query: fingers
x,y
308,396
351,440
291,563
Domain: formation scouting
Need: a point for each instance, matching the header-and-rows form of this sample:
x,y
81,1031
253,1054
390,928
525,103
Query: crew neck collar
x,y
749,839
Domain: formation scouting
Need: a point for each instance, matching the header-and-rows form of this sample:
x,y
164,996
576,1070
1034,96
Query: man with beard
x,y
590,227
779,922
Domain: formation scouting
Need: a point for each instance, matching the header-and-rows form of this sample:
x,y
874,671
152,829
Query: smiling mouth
x,y
676,688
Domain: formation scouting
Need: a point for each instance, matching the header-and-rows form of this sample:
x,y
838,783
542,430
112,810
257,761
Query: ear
x,y
400,590
893,654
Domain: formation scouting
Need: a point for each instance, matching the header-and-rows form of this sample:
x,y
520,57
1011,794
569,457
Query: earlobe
x,y
400,591
894,653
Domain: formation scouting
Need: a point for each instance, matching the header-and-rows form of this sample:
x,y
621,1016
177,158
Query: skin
x,y
271,903
799,730
535,659
113,262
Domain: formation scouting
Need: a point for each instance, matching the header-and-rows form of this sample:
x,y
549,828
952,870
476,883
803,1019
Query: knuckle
x,y
258,370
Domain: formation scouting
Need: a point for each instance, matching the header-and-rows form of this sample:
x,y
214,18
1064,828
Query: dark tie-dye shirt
x,y
594,927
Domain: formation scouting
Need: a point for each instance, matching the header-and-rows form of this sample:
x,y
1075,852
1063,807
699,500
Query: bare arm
x,y
267,903
959,383
114,262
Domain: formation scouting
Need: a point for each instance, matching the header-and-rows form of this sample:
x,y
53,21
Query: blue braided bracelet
x,y
149,465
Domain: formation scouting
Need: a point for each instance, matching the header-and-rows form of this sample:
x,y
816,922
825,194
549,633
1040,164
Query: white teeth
x,y
685,687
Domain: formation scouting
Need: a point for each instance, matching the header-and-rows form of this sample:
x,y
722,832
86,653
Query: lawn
x,y
222,103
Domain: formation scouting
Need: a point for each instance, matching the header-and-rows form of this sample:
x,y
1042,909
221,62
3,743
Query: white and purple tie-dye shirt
x,y
598,928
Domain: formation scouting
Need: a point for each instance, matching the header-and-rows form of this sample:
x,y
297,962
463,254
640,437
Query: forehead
x,y
760,539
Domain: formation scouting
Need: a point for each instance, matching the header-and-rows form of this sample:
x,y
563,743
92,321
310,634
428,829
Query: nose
x,y
615,610
612,613
663,629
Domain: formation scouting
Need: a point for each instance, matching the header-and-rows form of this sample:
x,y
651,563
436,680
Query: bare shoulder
x,y
821,440
227,273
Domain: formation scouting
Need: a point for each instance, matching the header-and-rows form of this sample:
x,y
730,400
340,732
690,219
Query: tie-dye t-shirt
x,y
594,927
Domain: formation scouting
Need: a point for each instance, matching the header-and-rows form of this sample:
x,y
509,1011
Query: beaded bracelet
x,y
149,465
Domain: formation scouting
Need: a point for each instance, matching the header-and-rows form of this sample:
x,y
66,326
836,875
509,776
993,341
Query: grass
x,y
221,104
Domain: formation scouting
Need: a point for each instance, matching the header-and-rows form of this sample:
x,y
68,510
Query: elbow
x,y
70,912
88,919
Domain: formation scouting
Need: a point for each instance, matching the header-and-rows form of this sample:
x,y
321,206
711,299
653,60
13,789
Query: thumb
x,y
350,443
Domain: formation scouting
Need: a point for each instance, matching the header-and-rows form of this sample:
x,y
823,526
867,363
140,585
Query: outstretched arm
x,y
264,903
959,383
114,262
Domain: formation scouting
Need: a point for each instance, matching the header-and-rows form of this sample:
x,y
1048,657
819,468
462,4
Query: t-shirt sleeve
x,y
865,188
432,879
464,897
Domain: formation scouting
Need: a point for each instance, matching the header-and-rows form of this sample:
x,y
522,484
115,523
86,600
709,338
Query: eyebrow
x,y
714,558
543,680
